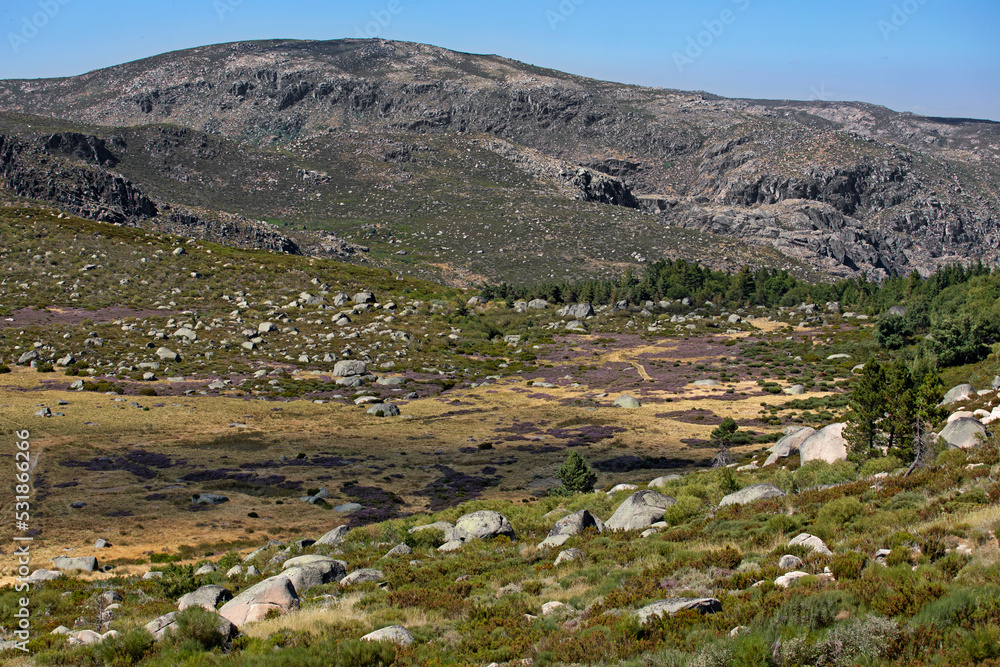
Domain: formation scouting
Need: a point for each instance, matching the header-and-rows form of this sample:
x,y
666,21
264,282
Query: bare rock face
x,y
962,392
639,511
273,594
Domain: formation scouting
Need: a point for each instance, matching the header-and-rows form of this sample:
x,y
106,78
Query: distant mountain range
x,y
468,167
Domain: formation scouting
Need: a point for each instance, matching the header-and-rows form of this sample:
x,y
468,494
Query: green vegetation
x,y
576,475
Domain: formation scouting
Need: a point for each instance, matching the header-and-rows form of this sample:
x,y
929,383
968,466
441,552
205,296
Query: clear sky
x,y
932,57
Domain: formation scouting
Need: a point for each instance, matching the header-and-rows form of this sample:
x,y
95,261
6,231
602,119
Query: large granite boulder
x,y
639,511
963,433
313,570
752,494
627,402
334,537
579,311
206,597
789,445
273,594
349,368
811,542
445,527
484,524
962,392
86,564
827,444
576,523
396,634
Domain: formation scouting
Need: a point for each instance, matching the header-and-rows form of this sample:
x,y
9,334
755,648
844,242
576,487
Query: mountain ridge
x,y
904,192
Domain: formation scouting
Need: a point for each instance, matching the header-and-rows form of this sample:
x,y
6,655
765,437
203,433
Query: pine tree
x,y
576,475
868,406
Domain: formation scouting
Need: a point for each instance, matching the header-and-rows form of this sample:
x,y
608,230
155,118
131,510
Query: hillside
x,y
413,140
237,423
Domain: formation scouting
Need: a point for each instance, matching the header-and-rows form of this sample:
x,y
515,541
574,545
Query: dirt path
x,y
619,357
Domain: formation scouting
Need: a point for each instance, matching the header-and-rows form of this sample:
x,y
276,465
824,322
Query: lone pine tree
x,y
576,475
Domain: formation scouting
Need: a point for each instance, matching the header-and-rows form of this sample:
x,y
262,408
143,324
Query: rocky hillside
x,y
846,186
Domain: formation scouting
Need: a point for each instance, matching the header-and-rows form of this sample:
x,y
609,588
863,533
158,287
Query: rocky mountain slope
x,y
846,187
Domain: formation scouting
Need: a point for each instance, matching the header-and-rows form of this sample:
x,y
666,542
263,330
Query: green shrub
x,y
148,391
125,649
848,565
429,538
177,580
4,369
981,643
841,511
44,367
199,626
818,473
356,653
813,612
875,466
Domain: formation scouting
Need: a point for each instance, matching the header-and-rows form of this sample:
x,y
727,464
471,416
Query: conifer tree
x,y
867,409
576,475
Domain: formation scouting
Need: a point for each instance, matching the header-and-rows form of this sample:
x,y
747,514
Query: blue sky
x,y
925,56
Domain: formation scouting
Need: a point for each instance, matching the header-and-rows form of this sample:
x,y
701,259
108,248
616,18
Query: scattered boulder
x,y
166,354
752,494
962,392
661,482
618,488
384,410
811,542
555,608
827,444
706,383
308,571
964,433
364,297
789,562
576,523
796,390
639,511
484,524
209,499
272,594
40,576
567,556
538,304
396,634
334,537
445,527
789,445
208,568
579,311
399,550
785,580
86,564
672,606
349,368
362,576
206,597
627,402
